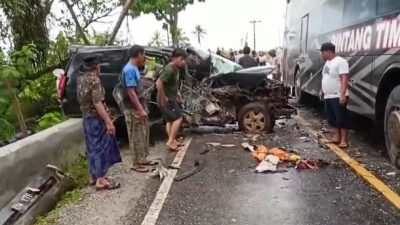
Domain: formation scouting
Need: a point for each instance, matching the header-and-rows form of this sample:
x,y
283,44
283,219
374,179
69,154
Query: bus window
x,y
315,23
385,6
332,15
357,10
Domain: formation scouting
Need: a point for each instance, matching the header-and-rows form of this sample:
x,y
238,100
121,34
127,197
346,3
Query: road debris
x,y
270,163
311,164
228,145
199,164
214,144
391,173
159,169
246,146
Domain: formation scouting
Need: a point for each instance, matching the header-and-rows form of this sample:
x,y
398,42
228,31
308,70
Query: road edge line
x,y
375,182
155,208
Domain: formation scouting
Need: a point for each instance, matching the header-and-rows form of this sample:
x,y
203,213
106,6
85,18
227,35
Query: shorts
x,y
171,112
338,115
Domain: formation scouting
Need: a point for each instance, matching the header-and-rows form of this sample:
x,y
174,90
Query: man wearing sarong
x,y
101,144
134,108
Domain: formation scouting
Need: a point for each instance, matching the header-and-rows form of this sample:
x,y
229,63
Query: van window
x,y
358,10
112,61
385,6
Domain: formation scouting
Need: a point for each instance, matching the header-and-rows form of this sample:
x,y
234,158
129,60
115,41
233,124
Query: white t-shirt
x,y
331,76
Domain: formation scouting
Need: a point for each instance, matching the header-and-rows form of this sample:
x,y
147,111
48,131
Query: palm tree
x,y
181,36
199,32
157,39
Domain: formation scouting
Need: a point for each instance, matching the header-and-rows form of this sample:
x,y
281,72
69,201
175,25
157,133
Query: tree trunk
x,y
78,25
124,11
17,108
198,39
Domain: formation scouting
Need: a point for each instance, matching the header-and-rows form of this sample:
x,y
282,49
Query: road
x,y
227,191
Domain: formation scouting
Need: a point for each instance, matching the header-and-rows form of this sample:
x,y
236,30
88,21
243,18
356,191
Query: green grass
x,y
79,171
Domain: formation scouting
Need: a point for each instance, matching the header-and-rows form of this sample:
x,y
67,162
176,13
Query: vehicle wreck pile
x,y
205,104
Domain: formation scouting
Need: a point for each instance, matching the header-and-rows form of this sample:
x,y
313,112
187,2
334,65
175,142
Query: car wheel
x,y
392,126
255,118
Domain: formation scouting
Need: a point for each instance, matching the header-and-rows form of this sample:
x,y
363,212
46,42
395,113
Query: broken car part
x,y
199,165
37,198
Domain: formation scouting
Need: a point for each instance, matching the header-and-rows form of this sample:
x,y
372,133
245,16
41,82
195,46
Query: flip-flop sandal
x,y
343,146
110,186
141,169
146,163
92,183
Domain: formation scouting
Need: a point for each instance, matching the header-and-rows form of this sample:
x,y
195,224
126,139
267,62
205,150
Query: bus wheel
x,y
392,126
255,118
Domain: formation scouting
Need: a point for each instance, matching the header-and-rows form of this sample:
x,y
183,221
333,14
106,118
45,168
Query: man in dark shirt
x,y
168,96
247,61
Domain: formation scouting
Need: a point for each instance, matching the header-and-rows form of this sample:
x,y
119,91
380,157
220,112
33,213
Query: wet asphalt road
x,y
228,191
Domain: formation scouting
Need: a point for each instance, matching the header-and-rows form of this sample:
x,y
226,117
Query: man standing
x,y
335,78
101,145
168,97
239,56
247,61
135,111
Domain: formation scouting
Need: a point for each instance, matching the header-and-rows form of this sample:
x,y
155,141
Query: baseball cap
x,y
328,46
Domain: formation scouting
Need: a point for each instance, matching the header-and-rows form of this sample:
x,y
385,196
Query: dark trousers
x,y
338,115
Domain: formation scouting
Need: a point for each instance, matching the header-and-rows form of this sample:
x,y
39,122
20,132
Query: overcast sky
x,y
226,22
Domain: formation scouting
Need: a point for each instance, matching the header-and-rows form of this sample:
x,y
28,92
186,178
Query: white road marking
x,y
158,202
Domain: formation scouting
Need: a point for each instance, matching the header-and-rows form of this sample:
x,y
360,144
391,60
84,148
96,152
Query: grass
x,y
77,170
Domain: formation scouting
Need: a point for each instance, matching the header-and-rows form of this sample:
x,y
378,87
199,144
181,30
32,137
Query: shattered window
x,y
222,65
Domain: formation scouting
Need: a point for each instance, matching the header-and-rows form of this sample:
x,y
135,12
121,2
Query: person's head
x,y
179,57
91,63
137,55
241,51
246,50
272,53
254,53
328,51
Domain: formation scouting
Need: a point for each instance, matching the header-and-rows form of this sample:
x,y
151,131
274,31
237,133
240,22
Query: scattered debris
x,y
391,173
324,130
260,152
228,145
311,164
270,163
285,178
159,169
255,137
246,146
339,188
204,151
198,166
215,144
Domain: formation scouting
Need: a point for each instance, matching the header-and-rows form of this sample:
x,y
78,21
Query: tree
x,y
26,24
199,32
83,14
165,10
157,40
12,72
181,36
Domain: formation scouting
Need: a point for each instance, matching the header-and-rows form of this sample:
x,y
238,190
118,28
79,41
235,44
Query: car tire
x,y
392,126
255,117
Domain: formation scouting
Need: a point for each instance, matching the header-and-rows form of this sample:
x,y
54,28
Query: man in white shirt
x,y
335,78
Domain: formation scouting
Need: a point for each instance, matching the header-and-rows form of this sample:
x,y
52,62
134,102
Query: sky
x,y
226,22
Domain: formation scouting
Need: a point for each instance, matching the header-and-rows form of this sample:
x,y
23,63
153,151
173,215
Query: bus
x,y
367,34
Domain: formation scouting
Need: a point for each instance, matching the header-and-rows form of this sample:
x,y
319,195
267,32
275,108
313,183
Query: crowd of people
x,y
248,58
101,145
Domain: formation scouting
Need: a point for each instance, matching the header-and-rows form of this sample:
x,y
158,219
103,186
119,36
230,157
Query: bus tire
x,y
254,117
300,95
392,126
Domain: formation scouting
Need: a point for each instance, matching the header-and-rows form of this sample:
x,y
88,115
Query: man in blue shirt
x,y
135,109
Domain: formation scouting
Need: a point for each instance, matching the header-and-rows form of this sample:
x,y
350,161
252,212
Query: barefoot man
x,y
168,97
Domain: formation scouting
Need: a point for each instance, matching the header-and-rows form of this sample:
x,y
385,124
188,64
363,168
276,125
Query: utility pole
x,y
254,31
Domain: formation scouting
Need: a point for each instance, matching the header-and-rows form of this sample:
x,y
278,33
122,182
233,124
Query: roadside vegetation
x,y
28,95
